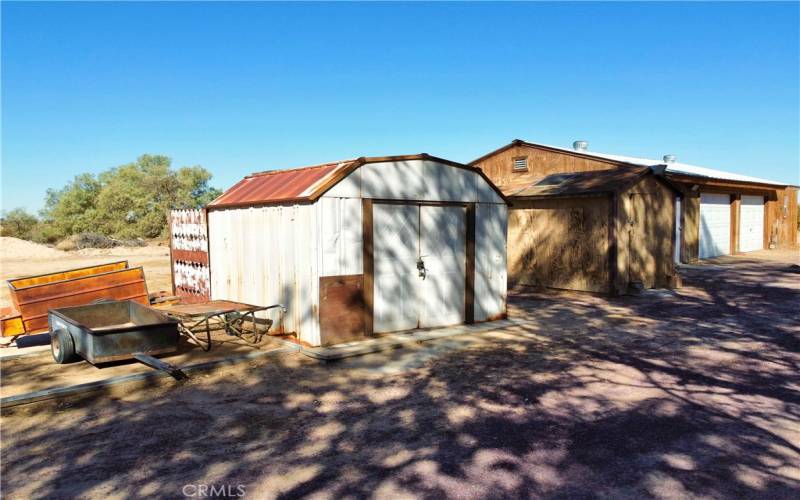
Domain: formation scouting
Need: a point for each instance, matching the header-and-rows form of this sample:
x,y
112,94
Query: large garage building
x,y
581,223
709,213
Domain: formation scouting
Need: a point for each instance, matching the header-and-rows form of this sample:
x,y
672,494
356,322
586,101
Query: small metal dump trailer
x,y
111,331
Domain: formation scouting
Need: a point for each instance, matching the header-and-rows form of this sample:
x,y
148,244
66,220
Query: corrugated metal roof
x,y
276,186
679,168
309,183
577,183
676,168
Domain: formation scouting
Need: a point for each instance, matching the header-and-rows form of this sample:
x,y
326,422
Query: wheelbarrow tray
x,y
115,330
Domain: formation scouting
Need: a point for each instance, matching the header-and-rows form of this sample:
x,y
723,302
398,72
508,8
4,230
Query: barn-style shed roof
x,y
306,184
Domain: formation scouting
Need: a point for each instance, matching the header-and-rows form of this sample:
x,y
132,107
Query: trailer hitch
x,y
156,363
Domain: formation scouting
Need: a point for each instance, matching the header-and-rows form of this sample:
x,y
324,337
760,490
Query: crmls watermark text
x,y
213,490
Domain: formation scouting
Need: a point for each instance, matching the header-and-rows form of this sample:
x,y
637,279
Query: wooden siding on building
x,y
781,219
572,243
736,206
560,243
645,235
541,162
691,227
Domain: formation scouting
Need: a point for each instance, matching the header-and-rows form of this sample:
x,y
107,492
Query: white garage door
x,y
420,260
715,225
751,225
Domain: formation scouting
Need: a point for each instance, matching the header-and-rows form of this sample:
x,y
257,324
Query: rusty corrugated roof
x,y
309,183
577,183
274,186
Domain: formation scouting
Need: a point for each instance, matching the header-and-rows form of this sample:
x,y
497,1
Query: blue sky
x,y
251,86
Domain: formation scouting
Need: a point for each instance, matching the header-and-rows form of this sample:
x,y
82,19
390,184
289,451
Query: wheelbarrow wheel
x,y
63,347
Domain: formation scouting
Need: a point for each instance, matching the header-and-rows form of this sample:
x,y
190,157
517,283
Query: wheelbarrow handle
x,y
273,306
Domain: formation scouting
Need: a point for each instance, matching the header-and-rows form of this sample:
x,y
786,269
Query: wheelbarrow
x,y
197,320
113,331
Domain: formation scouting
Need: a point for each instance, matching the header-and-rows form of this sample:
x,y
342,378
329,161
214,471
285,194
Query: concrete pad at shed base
x,y
395,340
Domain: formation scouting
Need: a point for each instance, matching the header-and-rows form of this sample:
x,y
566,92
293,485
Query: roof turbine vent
x,y
670,158
580,146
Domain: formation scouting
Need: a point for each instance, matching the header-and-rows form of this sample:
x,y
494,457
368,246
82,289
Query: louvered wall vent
x,y
520,164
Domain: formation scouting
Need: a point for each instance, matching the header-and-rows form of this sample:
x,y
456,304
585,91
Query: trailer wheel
x,y
63,347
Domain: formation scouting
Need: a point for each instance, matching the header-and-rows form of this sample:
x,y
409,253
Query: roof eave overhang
x,y
659,172
270,203
595,194
684,178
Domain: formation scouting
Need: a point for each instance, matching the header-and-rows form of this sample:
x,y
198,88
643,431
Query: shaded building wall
x,y
690,232
560,243
781,223
645,229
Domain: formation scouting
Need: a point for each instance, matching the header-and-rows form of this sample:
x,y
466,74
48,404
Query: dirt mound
x,y
15,248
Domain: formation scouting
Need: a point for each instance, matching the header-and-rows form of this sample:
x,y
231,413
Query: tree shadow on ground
x,y
693,393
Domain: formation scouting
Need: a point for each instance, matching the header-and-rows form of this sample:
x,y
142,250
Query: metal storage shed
x,y
363,246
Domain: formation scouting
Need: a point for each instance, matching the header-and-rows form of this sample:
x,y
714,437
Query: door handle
x,y
421,268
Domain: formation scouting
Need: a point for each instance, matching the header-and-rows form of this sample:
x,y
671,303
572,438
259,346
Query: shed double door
x,y
644,243
419,254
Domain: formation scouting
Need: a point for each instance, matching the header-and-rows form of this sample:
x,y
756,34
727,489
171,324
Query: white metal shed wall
x,y
340,238
267,255
491,280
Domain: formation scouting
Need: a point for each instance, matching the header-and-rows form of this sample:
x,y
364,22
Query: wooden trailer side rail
x,y
34,296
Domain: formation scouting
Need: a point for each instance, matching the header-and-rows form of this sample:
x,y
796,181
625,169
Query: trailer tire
x,y
63,347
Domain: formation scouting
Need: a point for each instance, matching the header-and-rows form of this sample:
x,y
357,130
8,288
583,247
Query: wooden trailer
x,y
33,296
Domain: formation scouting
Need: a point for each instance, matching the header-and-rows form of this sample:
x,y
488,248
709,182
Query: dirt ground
x,y
36,372
42,260
669,394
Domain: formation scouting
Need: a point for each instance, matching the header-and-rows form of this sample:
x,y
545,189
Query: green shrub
x,y
123,204
18,223
126,202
